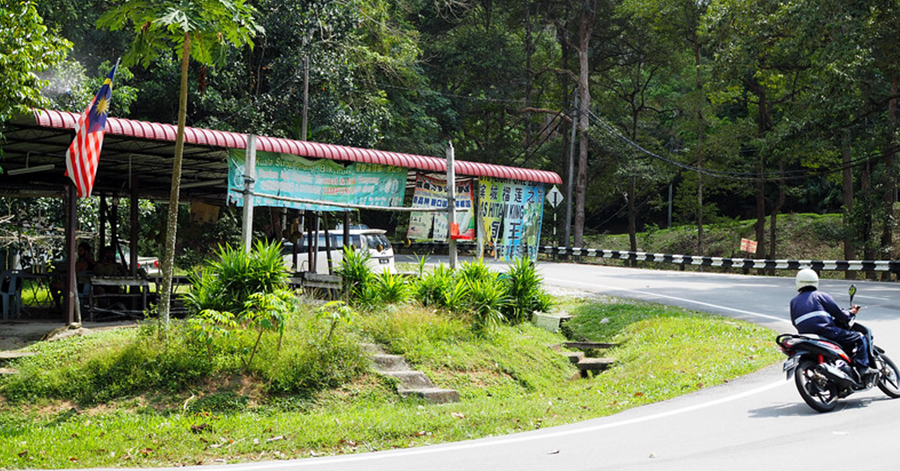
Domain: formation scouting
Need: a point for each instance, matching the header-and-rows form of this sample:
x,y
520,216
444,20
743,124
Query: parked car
x,y
150,265
374,240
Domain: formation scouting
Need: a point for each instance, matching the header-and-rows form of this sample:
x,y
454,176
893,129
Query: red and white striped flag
x,y
83,155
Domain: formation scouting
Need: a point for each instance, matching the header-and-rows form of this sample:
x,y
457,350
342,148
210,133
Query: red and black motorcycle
x,y
824,373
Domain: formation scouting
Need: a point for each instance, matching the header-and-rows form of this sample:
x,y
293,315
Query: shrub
x,y
227,283
486,302
431,286
390,288
356,276
523,288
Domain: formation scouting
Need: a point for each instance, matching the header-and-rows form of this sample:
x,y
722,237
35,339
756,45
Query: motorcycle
x,y
824,373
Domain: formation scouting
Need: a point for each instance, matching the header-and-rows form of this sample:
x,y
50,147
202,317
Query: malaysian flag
x,y
83,155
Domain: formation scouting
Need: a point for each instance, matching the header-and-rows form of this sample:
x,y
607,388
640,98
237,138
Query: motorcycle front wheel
x,y
889,381
816,390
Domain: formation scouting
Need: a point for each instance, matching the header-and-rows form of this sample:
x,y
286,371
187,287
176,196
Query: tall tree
x,y
202,29
27,48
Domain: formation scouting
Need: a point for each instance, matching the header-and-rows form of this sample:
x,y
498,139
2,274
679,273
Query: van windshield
x,y
337,241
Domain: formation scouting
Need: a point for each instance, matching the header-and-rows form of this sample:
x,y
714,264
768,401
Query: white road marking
x,y
699,303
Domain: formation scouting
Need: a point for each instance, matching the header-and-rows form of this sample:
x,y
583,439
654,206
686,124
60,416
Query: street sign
x,y
554,196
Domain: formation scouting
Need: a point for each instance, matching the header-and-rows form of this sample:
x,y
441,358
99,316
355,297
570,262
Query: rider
x,y
815,312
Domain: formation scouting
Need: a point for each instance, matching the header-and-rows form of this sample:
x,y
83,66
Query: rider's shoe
x,y
866,373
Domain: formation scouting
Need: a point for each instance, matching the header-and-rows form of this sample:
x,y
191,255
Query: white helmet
x,y
807,277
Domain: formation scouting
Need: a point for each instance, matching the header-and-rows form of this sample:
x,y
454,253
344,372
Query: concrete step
x,y
574,357
410,379
5,356
7,371
432,395
383,363
590,345
594,365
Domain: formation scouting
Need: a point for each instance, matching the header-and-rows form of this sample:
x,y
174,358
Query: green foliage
x,y
161,26
227,283
27,48
335,312
391,288
475,271
487,299
523,288
218,402
121,366
432,286
357,276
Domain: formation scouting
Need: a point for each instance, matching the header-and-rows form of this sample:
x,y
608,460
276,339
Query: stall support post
x,y
249,180
451,205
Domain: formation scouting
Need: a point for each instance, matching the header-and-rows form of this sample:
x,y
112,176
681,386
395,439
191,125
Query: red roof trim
x,y
231,140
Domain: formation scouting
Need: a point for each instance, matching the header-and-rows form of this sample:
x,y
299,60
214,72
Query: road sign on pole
x,y
554,196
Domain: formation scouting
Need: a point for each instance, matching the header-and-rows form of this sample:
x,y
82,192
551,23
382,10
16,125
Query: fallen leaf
x,y
553,452
458,415
23,454
638,394
275,439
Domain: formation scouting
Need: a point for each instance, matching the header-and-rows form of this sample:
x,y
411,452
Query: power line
x,y
745,176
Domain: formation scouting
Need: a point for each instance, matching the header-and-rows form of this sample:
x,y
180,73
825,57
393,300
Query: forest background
x,y
736,108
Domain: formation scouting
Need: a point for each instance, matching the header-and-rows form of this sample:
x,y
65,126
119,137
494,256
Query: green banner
x,y
292,176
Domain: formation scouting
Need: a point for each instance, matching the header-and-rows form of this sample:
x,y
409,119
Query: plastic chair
x,y
11,293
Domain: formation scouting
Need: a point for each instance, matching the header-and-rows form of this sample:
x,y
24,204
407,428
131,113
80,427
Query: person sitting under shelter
x,y
107,265
83,265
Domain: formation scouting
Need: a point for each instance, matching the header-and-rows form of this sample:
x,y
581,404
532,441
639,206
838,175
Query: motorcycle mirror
x,y
852,291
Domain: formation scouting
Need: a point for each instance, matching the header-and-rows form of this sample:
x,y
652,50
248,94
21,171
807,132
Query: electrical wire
x,y
745,176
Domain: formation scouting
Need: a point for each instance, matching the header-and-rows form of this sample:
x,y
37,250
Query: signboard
x,y
292,176
512,212
748,245
432,193
554,196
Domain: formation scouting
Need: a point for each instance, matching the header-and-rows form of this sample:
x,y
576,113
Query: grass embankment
x,y
75,404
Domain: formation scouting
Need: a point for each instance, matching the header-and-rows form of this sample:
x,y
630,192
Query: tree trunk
x,y
887,231
632,219
773,218
849,240
585,30
866,187
168,268
699,147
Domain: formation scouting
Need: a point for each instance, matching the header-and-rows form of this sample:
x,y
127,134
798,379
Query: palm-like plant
x,y
202,29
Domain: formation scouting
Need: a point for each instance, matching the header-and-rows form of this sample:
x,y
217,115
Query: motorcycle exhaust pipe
x,y
838,375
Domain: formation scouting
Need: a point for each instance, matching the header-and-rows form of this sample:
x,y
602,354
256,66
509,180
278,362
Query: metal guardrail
x,y
695,260
751,263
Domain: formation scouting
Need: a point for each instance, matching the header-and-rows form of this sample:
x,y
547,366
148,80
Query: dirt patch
x,y
15,335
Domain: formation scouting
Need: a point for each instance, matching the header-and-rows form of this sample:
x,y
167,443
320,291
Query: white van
x,y
374,240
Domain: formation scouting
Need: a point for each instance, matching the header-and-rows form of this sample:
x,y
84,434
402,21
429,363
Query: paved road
x,y
753,423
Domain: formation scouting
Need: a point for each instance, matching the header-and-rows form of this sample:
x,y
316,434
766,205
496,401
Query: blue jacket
x,y
815,312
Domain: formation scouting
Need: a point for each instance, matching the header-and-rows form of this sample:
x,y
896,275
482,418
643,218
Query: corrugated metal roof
x,y
209,137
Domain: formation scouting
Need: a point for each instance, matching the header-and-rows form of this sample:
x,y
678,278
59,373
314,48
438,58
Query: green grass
x,y
509,380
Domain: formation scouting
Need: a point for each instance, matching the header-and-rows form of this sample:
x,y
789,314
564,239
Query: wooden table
x,y
128,282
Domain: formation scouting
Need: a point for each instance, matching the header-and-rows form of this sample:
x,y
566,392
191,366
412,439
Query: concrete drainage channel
x,y
587,366
411,383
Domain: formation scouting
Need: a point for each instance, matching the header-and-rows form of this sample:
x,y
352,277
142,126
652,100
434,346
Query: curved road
x,y
756,422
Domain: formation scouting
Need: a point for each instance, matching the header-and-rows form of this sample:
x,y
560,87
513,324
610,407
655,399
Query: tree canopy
x,y
745,108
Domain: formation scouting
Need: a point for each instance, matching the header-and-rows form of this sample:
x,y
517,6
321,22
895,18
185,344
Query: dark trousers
x,y
850,340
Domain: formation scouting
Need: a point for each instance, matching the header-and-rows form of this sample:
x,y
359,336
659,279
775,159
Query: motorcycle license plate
x,y
789,366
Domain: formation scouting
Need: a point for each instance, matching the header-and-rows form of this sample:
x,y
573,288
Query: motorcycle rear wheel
x,y
889,381
816,391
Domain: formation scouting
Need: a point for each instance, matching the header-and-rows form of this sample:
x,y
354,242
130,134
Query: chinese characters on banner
x,y
432,193
510,210
293,176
